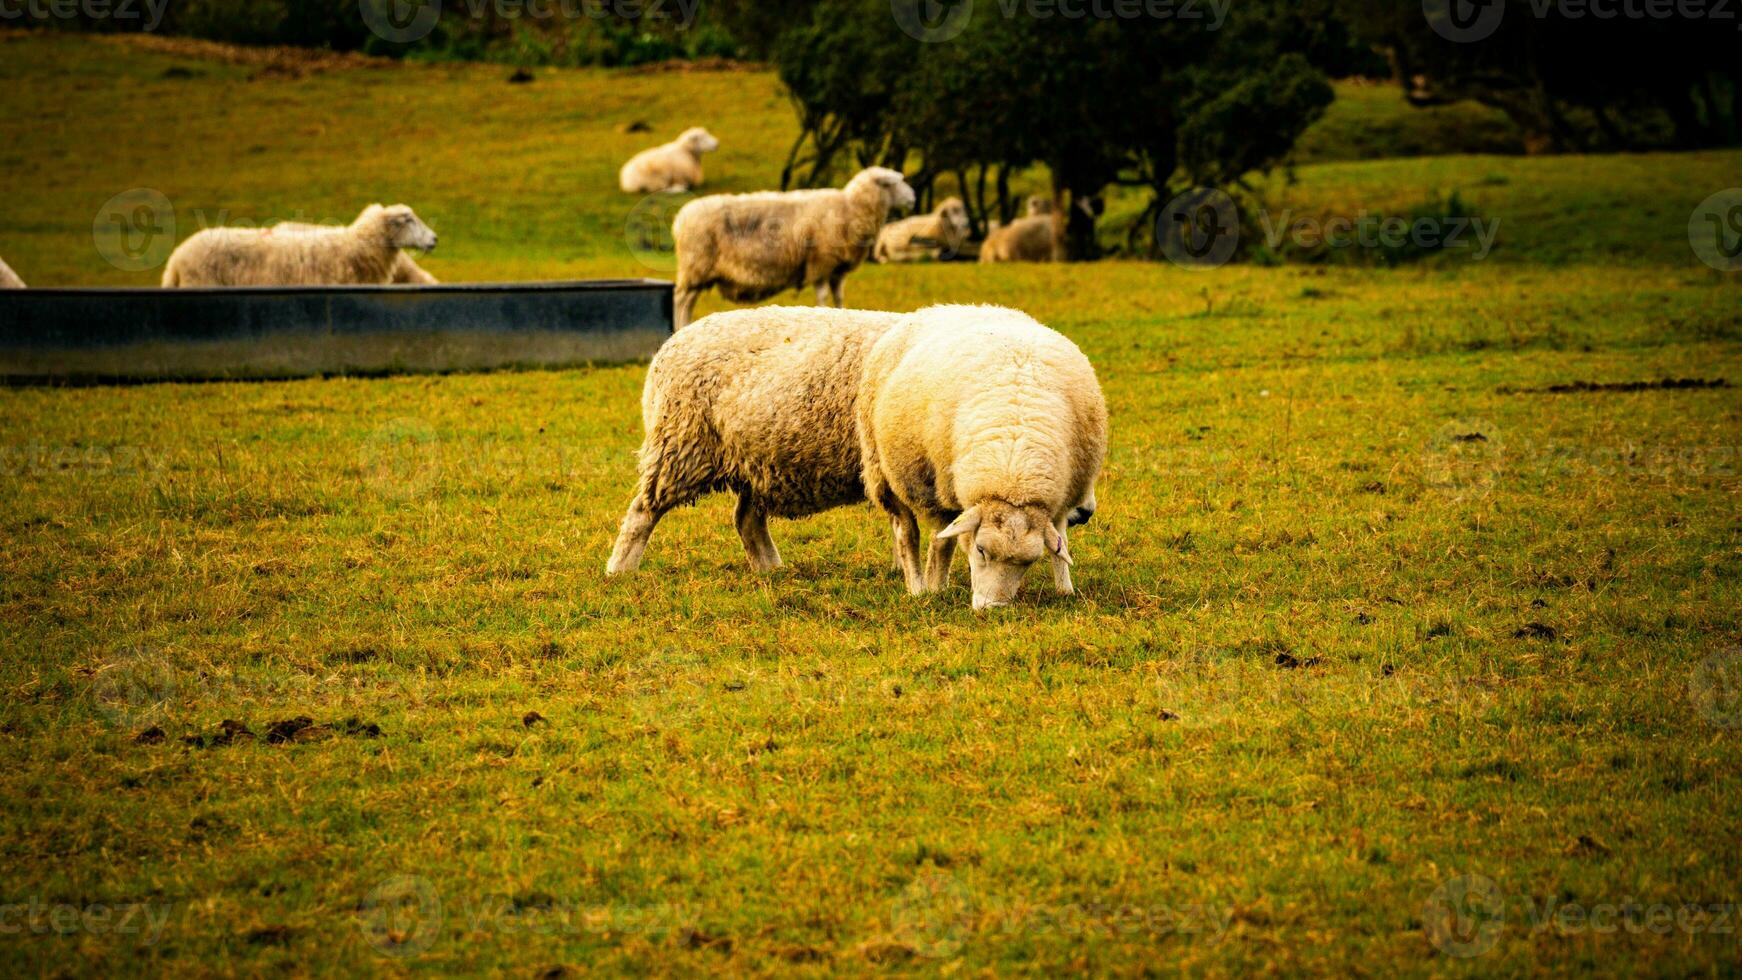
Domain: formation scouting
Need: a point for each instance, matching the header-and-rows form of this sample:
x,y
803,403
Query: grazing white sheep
x,y
757,402
675,167
753,246
981,421
364,252
939,234
1027,239
406,271
8,278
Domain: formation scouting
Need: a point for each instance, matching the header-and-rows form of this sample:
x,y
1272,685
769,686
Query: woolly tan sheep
x,y
8,278
673,167
939,234
406,271
1027,239
759,403
981,421
364,252
753,246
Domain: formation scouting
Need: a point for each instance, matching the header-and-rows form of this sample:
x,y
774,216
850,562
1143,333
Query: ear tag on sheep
x,y
1056,542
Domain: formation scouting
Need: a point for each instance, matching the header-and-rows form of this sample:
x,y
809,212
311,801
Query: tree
x,y
1640,75
1153,101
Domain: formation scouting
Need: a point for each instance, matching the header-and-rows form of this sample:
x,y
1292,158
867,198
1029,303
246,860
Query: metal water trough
x,y
85,335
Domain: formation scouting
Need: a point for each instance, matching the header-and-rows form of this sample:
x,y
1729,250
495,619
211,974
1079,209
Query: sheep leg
x,y
683,306
752,524
895,544
937,563
907,550
1061,569
835,291
632,538
822,294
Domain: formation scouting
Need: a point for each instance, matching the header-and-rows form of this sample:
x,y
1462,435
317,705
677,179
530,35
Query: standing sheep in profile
x,y
406,271
8,278
675,167
939,234
1027,239
981,421
753,246
363,253
757,402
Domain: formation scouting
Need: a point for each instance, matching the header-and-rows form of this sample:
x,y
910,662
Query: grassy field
x,y
1374,627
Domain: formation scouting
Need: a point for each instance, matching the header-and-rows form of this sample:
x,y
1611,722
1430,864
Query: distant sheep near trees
x,y
1027,239
363,253
674,167
939,234
753,246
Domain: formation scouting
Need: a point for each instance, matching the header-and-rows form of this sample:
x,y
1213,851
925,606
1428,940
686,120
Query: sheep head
x,y
698,141
1038,205
887,183
400,226
954,215
1002,541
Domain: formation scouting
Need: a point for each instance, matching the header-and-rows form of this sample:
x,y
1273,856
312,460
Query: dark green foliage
x,y
1633,79
1154,102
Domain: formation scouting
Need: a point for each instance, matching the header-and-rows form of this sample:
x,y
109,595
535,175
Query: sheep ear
x,y
968,523
1055,543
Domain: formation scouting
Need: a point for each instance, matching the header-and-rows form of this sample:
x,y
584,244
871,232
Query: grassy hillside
x,y
527,188
1372,614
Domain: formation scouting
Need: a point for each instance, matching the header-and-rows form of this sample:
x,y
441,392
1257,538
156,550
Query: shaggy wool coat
x,y
758,402
962,404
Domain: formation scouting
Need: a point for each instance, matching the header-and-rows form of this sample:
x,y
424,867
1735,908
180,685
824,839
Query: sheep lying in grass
x,y
675,167
8,278
1027,239
981,421
405,272
758,402
939,234
753,246
364,252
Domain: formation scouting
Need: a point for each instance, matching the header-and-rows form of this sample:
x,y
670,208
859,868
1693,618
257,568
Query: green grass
x,y
811,771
